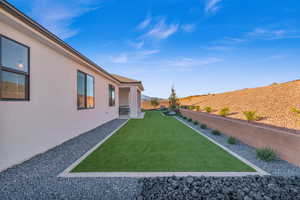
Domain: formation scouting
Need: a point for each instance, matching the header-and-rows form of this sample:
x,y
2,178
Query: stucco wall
x,y
286,144
51,116
124,96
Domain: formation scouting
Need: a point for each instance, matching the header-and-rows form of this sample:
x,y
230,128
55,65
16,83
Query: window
x,y
85,91
90,91
14,70
112,95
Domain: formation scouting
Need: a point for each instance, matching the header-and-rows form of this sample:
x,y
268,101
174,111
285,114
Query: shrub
x,y
208,109
184,117
266,154
224,112
154,102
216,132
231,140
197,108
203,126
296,111
189,120
195,122
251,115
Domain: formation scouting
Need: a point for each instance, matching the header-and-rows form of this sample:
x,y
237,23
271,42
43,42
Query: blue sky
x,y
199,46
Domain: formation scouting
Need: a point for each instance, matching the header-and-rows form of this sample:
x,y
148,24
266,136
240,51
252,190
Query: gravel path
x,y
37,177
276,168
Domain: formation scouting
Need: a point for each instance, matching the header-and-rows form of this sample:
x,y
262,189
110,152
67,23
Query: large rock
x,y
235,188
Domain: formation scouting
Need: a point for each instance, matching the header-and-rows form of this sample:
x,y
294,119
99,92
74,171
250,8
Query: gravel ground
x,y
222,188
37,177
275,168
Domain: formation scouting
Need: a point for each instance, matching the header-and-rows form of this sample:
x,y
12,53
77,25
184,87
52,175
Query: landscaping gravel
x,y
278,167
37,177
222,188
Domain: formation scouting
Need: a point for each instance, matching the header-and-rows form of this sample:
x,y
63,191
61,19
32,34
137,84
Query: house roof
x,y
126,80
36,26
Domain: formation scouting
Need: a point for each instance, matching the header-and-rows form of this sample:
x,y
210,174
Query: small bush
x,y
195,122
191,107
184,118
216,132
251,115
189,120
208,109
266,154
203,126
231,140
197,108
224,112
296,111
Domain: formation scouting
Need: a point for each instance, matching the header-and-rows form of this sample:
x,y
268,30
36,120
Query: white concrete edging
x,y
259,170
155,174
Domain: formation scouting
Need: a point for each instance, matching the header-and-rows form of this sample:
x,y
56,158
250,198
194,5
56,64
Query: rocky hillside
x,y
273,103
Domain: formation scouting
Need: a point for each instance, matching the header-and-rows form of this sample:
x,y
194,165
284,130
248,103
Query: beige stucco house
x,y
49,92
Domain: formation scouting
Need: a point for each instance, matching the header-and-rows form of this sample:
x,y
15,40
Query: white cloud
x,y
212,6
262,34
162,30
192,62
122,58
269,34
138,44
218,48
275,57
145,23
133,57
231,40
57,16
188,27
148,52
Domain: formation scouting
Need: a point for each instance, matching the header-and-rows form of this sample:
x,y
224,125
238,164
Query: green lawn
x,y
159,144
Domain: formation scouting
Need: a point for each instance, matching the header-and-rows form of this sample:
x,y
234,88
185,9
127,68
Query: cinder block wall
x,y
286,144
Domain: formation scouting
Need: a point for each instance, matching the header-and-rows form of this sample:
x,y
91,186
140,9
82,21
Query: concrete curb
x,y
155,174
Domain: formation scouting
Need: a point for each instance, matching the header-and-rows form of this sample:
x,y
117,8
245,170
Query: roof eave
x,y
36,26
